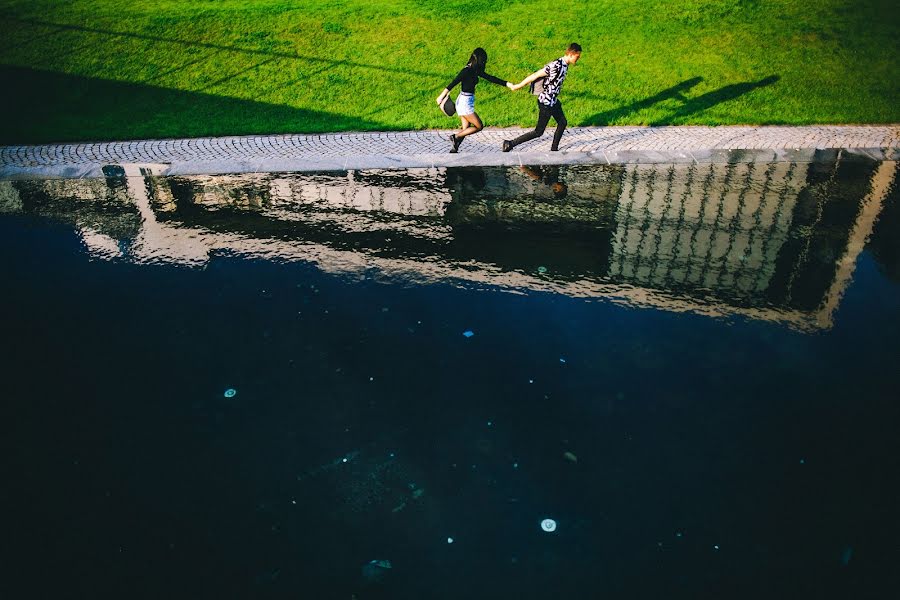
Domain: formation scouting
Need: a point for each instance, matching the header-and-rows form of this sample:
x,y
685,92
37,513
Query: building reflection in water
x,y
775,241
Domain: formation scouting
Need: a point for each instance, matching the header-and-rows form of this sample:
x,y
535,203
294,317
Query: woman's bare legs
x,y
469,124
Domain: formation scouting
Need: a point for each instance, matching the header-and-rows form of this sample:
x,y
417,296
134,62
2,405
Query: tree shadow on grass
x,y
36,110
690,106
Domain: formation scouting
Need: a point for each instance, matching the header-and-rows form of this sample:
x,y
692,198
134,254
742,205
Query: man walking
x,y
553,75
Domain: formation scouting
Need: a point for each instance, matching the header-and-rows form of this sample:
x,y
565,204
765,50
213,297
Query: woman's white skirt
x,y
465,104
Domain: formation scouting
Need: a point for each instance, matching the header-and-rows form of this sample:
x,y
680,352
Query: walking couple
x,y
546,83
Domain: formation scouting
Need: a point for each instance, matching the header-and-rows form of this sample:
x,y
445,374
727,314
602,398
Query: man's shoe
x,y
507,145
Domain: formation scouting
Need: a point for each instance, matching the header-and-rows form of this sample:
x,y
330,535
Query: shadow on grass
x,y
690,106
710,99
41,106
676,92
328,62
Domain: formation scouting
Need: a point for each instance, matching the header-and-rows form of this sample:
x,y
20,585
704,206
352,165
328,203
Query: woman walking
x,y
465,102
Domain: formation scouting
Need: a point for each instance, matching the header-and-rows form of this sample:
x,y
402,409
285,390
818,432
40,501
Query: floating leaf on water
x,y
468,334
570,457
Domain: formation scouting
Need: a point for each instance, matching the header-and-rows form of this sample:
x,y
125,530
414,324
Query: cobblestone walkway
x,y
429,149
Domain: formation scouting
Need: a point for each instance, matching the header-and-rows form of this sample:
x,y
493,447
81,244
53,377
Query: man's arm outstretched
x,y
533,77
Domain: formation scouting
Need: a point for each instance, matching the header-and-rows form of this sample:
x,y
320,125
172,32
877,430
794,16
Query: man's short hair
x,y
573,48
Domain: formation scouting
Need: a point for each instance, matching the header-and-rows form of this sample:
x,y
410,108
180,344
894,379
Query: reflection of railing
x,y
752,235
774,241
418,192
712,227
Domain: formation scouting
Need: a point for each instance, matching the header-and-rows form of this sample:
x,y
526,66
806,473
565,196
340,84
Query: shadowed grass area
x,y
91,108
379,65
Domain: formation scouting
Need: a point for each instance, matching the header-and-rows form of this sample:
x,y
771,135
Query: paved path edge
x,y
427,149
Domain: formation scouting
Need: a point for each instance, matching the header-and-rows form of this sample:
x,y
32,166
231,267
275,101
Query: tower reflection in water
x,y
775,241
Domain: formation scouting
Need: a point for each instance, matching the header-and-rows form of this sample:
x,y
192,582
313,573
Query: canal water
x,y
379,384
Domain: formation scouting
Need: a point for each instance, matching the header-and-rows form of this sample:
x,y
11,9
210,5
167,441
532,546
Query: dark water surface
x,y
692,369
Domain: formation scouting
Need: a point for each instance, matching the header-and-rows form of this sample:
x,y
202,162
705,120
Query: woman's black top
x,y
469,79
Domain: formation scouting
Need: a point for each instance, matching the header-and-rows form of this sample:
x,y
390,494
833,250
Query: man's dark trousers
x,y
544,114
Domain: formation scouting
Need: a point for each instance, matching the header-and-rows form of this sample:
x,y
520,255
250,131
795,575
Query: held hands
x,y
514,86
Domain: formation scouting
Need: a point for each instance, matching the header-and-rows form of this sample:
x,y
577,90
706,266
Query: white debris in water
x,y
548,525
449,540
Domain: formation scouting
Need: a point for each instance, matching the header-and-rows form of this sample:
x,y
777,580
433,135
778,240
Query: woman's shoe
x,y
455,143
507,145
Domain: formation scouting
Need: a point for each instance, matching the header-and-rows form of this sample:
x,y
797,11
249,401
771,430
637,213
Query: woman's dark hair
x,y
478,60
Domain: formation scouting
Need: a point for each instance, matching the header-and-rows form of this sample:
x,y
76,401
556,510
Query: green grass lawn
x,y
116,69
